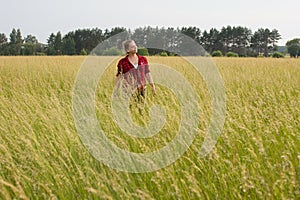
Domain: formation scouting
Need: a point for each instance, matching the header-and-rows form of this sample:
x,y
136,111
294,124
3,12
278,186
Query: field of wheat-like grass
x,y
257,155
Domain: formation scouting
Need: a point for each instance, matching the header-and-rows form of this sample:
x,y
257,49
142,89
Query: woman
x,y
134,69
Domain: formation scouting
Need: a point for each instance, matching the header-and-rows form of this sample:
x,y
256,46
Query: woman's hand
x,y
153,89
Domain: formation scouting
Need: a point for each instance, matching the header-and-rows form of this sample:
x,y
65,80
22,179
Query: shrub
x,y
216,53
276,54
113,51
163,53
231,54
206,54
143,51
83,52
40,54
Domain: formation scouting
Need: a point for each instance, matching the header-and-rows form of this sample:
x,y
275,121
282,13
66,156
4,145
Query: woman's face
x,y
132,48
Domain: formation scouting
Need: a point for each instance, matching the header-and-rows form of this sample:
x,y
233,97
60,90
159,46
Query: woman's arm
x,y
118,82
150,81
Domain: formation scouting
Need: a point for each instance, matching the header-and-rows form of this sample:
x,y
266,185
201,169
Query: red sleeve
x,y
119,66
147,69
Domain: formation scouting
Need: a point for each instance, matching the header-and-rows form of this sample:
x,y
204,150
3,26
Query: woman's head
x,y
130,46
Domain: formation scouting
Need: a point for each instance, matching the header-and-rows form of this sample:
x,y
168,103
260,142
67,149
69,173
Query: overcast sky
x,y
42,17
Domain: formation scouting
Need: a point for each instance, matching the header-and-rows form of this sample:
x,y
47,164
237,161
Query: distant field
x,y
256,157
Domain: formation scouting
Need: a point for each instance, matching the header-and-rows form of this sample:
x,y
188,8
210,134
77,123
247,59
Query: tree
x,y
293,47
3,39
186,46
30,45
260,41
68,46
58,43
19,37
293,41
139,37
15,42
274,37
205,40
13,36
172,41
155,40
30,39
86,39
50,44
40,49
294,50
113,31
211,41
226,37
192,32
148,37
143,51
3,44
264,41
241,37
256,43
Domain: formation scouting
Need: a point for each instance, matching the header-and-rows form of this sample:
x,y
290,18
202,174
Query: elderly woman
x,y
135,71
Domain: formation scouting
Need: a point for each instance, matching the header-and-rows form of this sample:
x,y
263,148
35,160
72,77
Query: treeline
x,y
231,39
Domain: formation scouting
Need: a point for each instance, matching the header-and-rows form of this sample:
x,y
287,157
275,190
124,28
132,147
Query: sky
x,y
41,17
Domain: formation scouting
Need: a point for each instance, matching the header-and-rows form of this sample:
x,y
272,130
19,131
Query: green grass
x,y
256,157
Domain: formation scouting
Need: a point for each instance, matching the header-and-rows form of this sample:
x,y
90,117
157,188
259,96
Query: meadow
x,y
257,155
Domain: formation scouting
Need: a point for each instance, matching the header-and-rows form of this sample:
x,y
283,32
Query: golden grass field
x,y
257,155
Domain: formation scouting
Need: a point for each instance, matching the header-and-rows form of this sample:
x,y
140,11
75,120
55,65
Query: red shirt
x,y
134,77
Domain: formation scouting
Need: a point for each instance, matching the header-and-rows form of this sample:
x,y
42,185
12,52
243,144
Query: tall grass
x,y
256,157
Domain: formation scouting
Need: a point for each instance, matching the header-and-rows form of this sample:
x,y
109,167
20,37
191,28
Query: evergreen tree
x,y
86,39
13,36
192,32
15,42
58,43
3,44
274,37
50,44
68,46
